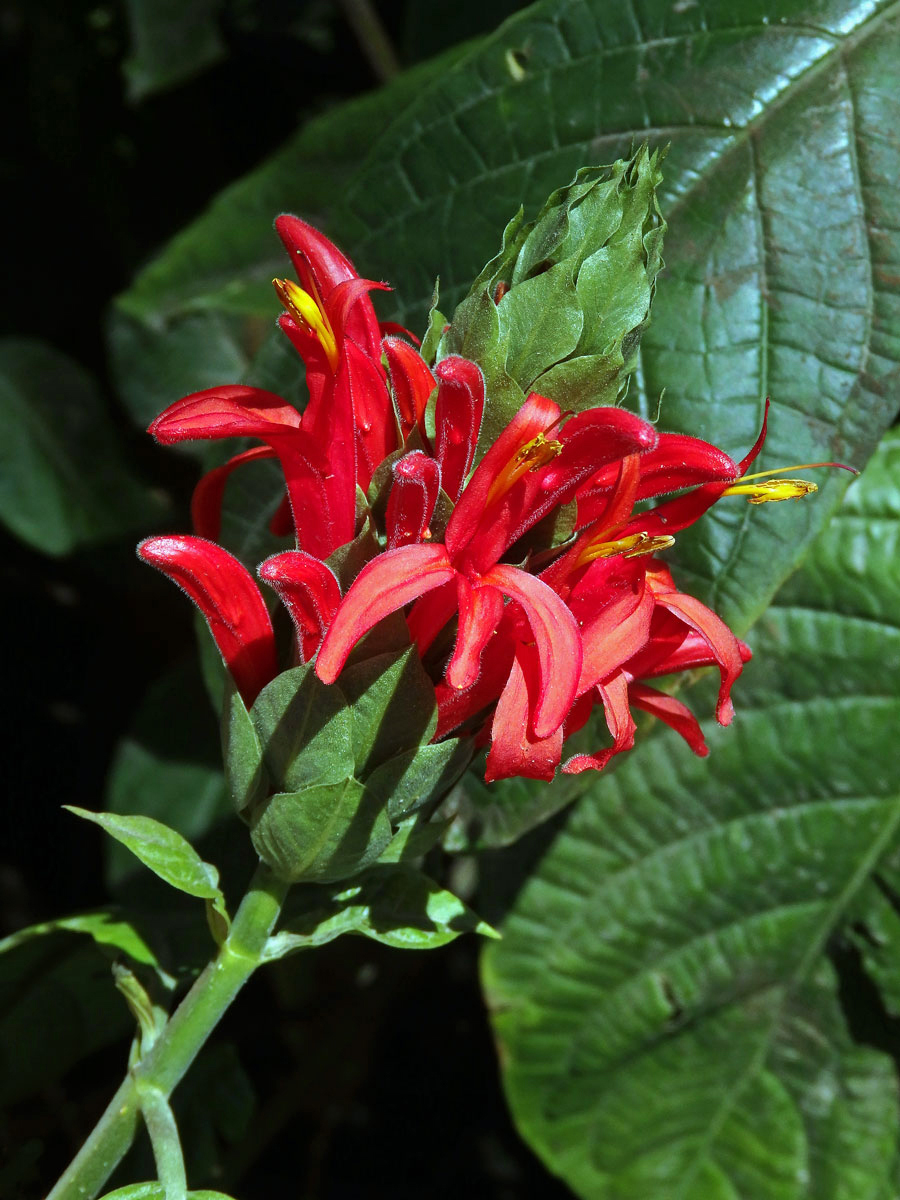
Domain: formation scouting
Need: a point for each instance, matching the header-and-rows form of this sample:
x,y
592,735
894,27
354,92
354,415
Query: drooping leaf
x,y
396,905
108,927
164,851
668,1017
64,479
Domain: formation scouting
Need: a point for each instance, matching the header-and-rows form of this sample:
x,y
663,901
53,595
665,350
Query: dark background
x,y
372,1069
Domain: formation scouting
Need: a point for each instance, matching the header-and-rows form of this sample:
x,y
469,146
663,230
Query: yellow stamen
x,y
633,546
772,489
531,457
309,315
779,489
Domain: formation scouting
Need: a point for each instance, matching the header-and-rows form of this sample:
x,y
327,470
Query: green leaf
x,y
392,904
170,43
64,480
242,752
668,1018
323,833
392,705
108,927
781,234
305,730
406,782
164,851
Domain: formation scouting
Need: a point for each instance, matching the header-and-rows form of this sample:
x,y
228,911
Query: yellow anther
x,y
633,546
530,457
772,489
308,315
538,452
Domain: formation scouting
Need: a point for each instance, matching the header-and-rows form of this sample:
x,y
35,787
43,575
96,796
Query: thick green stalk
x,y
178,1044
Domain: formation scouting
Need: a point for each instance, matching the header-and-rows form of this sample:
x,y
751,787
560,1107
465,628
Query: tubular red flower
x,y
417,481
457,418
309,591
412,383
224,591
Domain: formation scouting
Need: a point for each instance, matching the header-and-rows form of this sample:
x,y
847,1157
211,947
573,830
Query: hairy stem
x,y
178,1044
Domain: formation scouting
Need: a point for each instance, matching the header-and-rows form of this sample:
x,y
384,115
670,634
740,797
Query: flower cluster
x,y
523,629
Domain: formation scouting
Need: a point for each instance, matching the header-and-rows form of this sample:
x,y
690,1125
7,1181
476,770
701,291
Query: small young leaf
x,y
396,905
164,851
108,927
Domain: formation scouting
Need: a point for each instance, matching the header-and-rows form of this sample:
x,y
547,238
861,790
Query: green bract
x,y
560,310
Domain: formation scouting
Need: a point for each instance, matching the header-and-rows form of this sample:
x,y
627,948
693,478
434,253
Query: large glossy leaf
x,y
780,197
668,1016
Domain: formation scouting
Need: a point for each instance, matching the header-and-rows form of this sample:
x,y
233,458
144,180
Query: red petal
x,y
557,638
411,382
470,516
417,481
226,594
458,412
480,613
724,645
515,748
673,712
382,587
614,634
229,411
360,387
614,694
309,591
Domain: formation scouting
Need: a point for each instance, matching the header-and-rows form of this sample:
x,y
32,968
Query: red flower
x,y
348,426
224,591
523,477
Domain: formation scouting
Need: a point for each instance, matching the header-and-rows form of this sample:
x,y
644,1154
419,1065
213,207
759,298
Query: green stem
x,y
178,1044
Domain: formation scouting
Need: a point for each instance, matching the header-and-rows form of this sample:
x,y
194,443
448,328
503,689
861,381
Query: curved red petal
x,y
480,613
558,642
673,712
515,748
226,594
382,587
